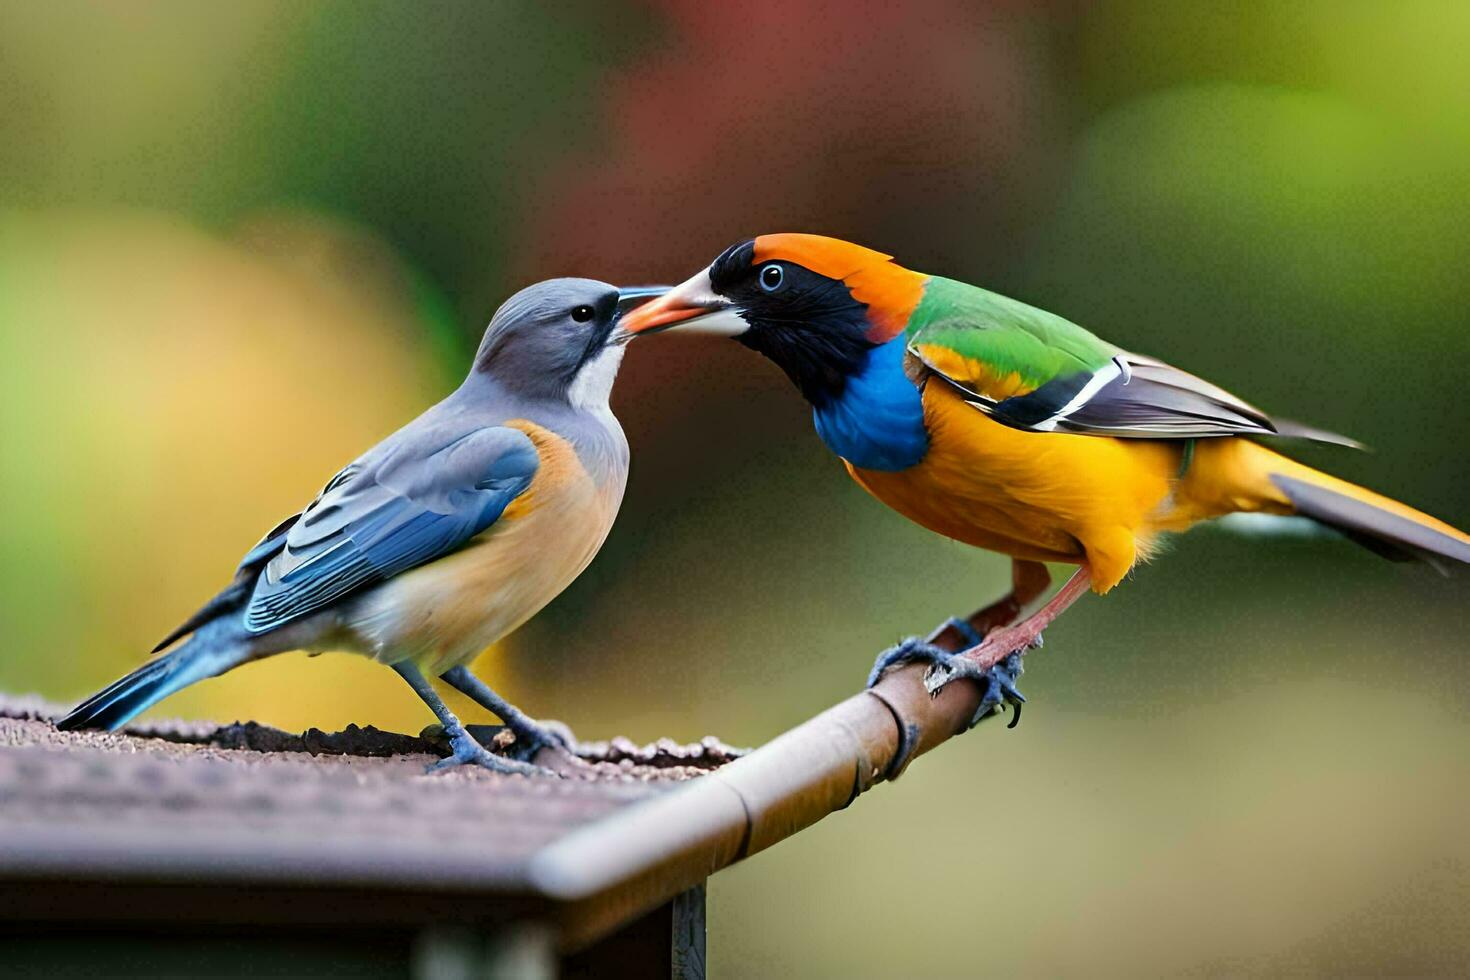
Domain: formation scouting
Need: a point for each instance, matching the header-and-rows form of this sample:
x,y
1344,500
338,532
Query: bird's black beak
x,y
693,306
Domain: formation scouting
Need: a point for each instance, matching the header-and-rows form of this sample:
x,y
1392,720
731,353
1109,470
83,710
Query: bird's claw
x,y
911,650
465,751
997,683
532,737
914,649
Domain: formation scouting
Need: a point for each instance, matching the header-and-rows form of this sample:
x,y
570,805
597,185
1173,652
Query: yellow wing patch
x,y
970,373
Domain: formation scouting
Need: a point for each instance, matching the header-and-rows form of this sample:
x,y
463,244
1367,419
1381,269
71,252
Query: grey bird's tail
x,y
214,649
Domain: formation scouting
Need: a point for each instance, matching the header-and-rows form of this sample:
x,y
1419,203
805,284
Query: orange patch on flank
x,y
556,455
890,291
973,374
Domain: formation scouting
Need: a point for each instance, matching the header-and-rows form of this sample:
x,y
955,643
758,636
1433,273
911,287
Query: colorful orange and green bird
x,y
1012,429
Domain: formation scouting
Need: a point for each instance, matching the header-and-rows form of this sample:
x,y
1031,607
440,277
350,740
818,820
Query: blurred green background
x,y
240,242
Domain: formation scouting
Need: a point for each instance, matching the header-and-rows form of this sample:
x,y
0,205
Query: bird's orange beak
x,y
691,306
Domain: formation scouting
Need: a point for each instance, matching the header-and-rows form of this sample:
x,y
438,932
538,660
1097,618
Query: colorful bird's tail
x,y
212,650
1254,478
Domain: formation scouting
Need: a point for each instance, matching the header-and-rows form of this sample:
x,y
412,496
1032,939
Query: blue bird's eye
x,y
583,313
771,277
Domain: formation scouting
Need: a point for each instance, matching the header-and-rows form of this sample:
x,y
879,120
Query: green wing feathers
x,y
997,346
1033,370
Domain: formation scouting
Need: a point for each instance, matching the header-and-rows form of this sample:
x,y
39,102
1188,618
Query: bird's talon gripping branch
x,y
1003,677
911,650
998,683
937,677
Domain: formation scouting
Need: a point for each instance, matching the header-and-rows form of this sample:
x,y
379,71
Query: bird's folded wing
x,y
405,504
1135,397
1032,370
996,347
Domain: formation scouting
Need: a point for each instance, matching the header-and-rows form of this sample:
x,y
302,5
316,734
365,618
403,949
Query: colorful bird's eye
x,y
583,313
772,277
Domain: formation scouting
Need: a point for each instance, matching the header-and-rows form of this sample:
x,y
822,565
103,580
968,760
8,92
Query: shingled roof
x,y
345,820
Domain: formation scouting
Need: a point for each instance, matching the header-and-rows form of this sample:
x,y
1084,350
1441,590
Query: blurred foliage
x,y
240,243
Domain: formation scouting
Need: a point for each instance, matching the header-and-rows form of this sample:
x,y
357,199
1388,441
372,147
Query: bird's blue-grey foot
x,y
531,735
464,749
924,649
997,683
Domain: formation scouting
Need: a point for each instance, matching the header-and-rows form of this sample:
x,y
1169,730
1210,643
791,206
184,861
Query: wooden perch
x,y
169,821
643,855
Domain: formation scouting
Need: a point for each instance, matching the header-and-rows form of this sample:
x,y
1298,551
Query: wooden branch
x,y
644,855
590,872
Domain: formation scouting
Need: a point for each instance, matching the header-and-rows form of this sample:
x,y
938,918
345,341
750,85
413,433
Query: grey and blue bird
x,y
441,539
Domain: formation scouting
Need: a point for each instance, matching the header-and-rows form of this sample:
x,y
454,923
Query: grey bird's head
x,y
558,339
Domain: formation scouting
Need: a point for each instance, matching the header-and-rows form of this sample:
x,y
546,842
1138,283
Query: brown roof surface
x,y
349,824
253,804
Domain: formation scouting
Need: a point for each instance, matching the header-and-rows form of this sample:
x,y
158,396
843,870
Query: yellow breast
x,y
1038,496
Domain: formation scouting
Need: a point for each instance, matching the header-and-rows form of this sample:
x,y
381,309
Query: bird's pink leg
x,y
1000,643
1029,580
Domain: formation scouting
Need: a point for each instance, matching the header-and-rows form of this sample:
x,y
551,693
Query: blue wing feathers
x,y
270,544
402,505
410,508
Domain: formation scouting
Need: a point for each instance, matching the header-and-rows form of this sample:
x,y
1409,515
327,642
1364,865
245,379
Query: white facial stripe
x,y
592,386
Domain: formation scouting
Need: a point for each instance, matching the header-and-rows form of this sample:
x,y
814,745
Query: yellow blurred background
x,y
239,243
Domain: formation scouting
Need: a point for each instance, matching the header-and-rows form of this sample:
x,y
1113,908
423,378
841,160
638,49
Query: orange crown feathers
x,y
888,290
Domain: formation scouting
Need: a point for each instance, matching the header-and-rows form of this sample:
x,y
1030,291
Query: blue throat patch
x,y
877,423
